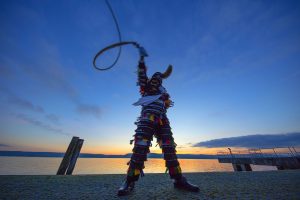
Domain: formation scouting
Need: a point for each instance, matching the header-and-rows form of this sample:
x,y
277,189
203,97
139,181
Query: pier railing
x,y
261,153
282,158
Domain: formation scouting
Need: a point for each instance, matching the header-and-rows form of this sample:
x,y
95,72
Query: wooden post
x,y
67,157
248,167
74,157
237,167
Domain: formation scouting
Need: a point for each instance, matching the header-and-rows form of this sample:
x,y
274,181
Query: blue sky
x,y
236,71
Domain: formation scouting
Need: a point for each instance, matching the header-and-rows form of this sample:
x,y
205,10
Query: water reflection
x,y
119,166
45,166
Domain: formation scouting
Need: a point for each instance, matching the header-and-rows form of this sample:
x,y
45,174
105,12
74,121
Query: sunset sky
x,y
235,82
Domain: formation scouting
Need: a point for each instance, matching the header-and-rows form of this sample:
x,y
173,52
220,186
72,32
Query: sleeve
x,y
142,76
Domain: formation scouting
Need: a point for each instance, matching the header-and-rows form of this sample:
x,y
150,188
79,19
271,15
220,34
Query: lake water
x,y
49,166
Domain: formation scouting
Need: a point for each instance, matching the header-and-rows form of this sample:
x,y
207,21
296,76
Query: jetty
x,y
283,158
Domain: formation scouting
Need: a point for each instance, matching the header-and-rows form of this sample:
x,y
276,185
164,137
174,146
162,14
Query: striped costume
x,y
153,121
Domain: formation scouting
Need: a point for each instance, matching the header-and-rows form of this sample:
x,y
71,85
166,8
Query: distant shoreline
x,y
88,155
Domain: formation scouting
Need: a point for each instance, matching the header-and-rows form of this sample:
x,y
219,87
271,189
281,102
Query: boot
x,y
125,188
182,183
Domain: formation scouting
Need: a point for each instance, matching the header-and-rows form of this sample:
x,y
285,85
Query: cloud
x,y
25,104
53,118
254,141
41,124
4,145
186,145
21,102
86,109
48,73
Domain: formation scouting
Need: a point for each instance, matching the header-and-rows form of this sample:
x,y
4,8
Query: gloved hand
x,y
143,52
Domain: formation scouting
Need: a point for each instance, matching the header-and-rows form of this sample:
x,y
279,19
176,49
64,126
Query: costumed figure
x,y
153,121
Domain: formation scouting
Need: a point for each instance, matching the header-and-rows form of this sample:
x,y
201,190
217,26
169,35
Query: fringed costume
x,y
153,121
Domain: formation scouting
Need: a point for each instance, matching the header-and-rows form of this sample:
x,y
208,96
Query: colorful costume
x,y
153,121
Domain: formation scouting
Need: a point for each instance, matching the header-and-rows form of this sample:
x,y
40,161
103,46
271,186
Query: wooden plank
x,y
67,157
74,157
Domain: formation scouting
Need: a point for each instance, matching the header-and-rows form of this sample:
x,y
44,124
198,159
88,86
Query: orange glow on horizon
x,y
187,150
113,150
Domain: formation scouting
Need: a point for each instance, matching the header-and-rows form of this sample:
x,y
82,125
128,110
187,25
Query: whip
x,y
119,44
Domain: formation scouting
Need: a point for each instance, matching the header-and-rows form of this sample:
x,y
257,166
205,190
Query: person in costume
x,y
153,121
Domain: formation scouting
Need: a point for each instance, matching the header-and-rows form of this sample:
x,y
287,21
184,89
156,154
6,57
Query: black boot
x,y
182,183
125,188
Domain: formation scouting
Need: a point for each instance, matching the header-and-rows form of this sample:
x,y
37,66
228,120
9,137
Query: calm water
x,y
45,166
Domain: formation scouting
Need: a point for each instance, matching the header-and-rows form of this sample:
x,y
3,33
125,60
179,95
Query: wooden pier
x,y
282,158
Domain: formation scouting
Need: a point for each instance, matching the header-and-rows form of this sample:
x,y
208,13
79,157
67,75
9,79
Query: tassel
x,y
130,172
142,173
152,118
136,172
142,90
160,143
166,170
179,169
160,122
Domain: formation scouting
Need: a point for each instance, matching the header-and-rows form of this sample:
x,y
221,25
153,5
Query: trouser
x,y
148,125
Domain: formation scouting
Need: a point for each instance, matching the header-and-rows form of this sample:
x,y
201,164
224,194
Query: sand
x,y
214,185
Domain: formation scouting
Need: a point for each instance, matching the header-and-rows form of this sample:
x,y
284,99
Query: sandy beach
x,y
214,185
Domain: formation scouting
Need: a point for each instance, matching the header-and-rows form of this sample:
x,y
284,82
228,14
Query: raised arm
x,y
142,70
142,75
